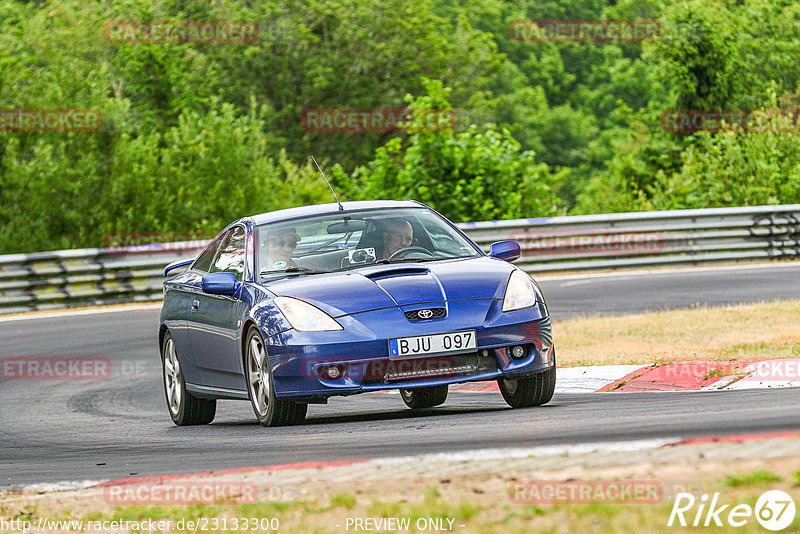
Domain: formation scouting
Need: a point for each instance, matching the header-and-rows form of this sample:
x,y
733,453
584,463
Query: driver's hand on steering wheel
x,y
401,253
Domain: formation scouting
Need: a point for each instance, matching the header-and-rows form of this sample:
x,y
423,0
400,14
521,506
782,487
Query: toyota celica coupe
x,y
290,307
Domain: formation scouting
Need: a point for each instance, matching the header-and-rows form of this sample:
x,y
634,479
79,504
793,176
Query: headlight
x,y
304,317
520,293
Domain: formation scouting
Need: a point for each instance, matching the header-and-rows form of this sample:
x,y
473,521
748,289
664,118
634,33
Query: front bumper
x,y
360,353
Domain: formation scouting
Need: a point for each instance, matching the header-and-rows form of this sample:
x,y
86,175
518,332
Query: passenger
x,y
280,247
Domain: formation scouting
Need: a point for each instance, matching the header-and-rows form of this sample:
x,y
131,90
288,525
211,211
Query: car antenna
x,y
341,208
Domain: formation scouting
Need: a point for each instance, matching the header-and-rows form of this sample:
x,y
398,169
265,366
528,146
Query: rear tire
x,y
184,408
269,409
529,391
421,398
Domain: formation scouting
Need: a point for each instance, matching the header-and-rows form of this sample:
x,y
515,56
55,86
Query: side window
x,y
203,262
230,257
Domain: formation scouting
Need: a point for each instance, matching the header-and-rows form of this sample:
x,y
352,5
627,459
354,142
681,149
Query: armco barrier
x,y
649,239
556,244
65,278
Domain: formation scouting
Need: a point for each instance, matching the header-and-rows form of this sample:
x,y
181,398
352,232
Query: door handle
x,y
195,304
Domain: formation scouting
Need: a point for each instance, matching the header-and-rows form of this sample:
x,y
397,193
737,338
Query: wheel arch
x,y
162,331
243,345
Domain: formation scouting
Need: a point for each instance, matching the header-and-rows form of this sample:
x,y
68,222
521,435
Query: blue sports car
x,y
288,308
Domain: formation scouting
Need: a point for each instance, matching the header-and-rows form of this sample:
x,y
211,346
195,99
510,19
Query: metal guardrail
x,y
649,239
67,278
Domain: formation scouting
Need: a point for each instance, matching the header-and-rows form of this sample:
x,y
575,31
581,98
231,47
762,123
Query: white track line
x,y
438,458
528,452
68,313
651,272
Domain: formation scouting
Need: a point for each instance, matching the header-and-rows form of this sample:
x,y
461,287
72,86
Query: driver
x,y
397,234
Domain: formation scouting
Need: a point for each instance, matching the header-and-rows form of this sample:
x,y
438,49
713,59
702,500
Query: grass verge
x,y
744,332
466,509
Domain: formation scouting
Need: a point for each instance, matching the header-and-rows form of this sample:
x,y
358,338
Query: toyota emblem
x,y
425,314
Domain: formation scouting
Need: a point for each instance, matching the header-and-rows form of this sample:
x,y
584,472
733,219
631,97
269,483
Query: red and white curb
x,y
705,376
366,463
686,376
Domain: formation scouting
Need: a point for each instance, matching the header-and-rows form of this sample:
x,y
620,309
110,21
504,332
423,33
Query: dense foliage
x,y
196,135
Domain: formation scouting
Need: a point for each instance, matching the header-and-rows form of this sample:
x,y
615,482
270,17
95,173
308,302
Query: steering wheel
x,y
405,250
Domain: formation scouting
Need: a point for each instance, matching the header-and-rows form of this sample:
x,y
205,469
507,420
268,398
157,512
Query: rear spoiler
x,y
176,264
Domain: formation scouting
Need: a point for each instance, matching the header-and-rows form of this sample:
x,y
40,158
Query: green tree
x,y
467,176
736,167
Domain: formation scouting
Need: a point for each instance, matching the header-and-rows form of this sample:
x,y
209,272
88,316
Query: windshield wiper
x,y
387,261
290,271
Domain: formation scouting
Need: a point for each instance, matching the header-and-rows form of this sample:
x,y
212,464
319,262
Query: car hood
x,y
400,284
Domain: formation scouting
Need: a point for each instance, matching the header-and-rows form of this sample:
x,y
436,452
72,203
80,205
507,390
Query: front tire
x,y
421,398
529,391
298,414
269,409
184,408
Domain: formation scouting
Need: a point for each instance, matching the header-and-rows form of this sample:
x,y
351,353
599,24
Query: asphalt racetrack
x,y
72,430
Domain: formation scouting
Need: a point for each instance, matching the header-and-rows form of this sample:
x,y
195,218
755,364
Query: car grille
x,y
422,315
386,371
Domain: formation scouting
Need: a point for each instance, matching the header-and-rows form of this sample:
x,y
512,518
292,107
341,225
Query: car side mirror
x,y
220,284
505,250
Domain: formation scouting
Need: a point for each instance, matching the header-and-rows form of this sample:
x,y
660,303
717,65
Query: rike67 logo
x,y
774,510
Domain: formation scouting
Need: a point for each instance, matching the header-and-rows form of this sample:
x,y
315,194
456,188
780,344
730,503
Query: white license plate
x,y
433,344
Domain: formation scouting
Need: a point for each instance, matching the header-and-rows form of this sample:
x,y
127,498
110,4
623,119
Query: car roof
x,y
321,209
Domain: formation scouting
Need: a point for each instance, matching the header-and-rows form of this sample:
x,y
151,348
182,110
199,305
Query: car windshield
x,y
349,240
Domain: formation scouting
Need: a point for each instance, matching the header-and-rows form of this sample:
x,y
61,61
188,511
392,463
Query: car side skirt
x,y
210,392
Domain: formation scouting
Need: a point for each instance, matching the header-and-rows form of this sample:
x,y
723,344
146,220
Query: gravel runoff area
x,y
488,490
